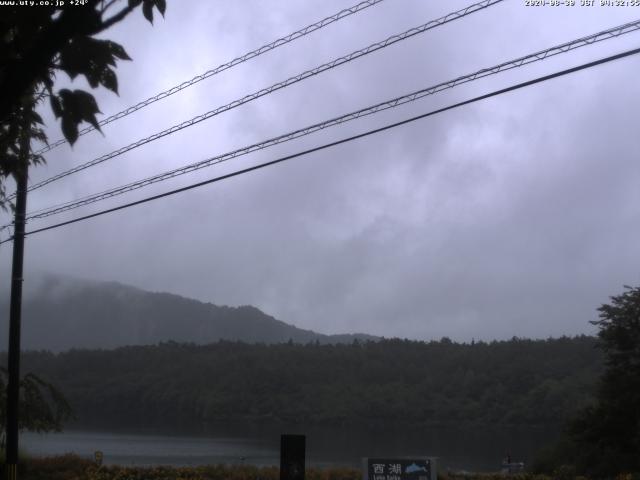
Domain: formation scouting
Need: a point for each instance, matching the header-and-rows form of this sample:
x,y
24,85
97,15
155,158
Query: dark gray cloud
x,y
515,216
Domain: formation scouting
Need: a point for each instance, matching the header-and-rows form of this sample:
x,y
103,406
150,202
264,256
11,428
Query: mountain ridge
x,y
61,313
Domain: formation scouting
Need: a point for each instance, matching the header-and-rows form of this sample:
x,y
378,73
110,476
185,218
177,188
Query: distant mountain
x,y
64,313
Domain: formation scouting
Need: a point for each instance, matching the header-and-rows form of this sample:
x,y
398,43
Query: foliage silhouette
x,y
43,408
603,440
38,42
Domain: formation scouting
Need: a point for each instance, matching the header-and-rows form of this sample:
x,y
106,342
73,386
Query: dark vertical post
x,y
292,456
13,387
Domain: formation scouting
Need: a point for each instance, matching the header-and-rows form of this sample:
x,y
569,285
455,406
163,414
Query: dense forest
x,y
516,382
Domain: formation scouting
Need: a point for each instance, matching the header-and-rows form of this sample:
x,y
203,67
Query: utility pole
x,y
13,387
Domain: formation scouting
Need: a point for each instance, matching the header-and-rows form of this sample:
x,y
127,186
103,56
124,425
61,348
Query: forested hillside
x,y
404,382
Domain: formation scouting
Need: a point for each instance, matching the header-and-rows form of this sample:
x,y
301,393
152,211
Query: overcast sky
x,y
518,215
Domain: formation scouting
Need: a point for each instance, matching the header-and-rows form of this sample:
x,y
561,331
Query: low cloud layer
x,y
518,215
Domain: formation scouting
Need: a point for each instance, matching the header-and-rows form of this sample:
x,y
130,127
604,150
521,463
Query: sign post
x,y
292,456
401,468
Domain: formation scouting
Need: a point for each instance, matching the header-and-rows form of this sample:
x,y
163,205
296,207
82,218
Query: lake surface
x,y
471,449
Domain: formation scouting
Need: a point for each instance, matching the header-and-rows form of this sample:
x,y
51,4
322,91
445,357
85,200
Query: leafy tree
x,y
43,407
609,432
38,42
603,440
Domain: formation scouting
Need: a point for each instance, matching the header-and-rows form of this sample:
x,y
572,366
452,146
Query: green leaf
x,y
93,77
36,118
110,80
86,107
55,106
75,57
38,134
38,160
119,51
77,106
90,57
161,5
147,10
69,129
48,81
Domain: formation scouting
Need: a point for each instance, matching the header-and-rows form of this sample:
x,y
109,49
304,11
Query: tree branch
x,y
108,5
117,17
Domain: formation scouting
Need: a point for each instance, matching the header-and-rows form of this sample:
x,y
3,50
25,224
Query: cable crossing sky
x,y
225,66
265,91
613,32
495,93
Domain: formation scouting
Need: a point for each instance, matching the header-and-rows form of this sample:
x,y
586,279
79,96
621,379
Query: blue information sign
x,y
404,468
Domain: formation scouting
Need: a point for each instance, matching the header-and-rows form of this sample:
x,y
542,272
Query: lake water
x,y
472,449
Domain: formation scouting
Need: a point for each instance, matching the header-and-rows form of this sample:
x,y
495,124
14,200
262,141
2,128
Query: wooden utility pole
x,y
13,387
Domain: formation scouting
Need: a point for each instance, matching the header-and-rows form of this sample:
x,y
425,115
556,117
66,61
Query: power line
x,y
344,140
265,91
225,66
525,60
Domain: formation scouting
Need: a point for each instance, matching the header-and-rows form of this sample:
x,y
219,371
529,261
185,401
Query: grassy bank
x,y
72,467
